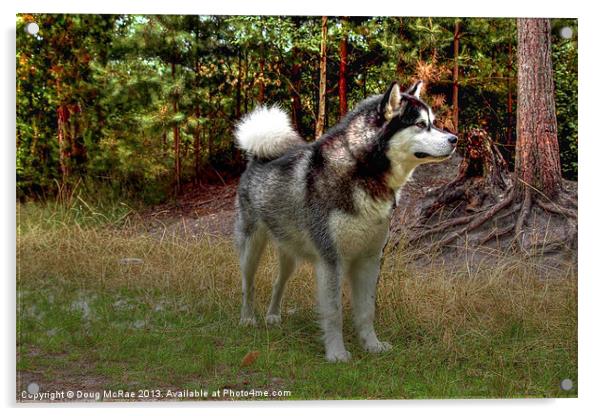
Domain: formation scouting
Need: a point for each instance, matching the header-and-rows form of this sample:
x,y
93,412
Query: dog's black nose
x,y
452,139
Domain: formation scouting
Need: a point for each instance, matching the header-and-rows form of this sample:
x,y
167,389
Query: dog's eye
x,y
421,125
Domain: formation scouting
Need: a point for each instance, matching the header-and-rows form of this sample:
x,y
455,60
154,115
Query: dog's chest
x,y
364,232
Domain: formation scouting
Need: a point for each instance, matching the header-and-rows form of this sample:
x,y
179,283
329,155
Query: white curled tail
x,y
266,133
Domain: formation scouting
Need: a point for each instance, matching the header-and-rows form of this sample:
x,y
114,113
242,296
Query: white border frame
x,y
590,149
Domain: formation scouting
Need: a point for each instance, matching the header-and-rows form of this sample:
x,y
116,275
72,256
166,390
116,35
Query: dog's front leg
x,y
364,277
328,275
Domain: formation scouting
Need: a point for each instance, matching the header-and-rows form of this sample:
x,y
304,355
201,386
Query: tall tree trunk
x,y
76,140
296,80
456,109
197,107
246,89
62,113
509,100
296,90
236,111
204,139
365,86
322,91
239,86
537,156
176,139
197,146
400,60
261,94
343,70
35,139
209,141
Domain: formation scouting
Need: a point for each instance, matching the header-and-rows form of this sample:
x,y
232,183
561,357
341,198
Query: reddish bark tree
x,y
456,75
321,119
197,111
237,113
62,113
400,59
343,70
197,146
176,139
509,98
261,94
295,88
537,156
295,84
71,148
246,85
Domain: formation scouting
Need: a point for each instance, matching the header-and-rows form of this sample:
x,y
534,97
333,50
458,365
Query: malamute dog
x,y
330,201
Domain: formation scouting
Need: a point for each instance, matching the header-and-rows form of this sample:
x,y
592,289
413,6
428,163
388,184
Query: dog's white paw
x,y
378,347
273,320
338,356
248,321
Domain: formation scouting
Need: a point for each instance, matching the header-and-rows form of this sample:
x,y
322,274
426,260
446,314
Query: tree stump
x,y
482,174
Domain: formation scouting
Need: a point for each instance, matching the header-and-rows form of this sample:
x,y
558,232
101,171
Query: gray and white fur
x,y
329,202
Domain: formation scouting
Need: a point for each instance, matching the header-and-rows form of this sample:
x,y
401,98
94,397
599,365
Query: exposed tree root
x,y
478,220
512,219
485,206
524,211
497,234
557,209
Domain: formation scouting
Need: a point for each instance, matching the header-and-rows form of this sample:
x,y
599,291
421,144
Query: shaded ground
x,y
200,210
425,178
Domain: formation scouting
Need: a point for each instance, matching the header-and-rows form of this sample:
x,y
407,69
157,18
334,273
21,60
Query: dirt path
x,y
200,211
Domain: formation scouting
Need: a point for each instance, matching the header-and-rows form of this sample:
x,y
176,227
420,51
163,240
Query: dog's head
x,y
408,125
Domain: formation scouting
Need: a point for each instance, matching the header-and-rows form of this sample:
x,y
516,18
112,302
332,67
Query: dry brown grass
x,y
206,269
483,298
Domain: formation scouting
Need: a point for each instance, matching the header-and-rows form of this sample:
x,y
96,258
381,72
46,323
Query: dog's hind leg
x,y
363,275
251,246
287,267
328,275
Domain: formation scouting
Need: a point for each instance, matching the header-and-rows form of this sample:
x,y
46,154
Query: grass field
x,y
87,321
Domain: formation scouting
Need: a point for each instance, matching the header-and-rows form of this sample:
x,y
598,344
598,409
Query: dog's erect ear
x,y
415,89
391,103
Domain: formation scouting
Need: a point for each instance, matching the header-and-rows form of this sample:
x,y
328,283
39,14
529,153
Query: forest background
x,y
141,105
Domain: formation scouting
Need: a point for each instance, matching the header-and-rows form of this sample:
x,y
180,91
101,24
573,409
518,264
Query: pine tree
x,y
343,69
537,155
322,91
